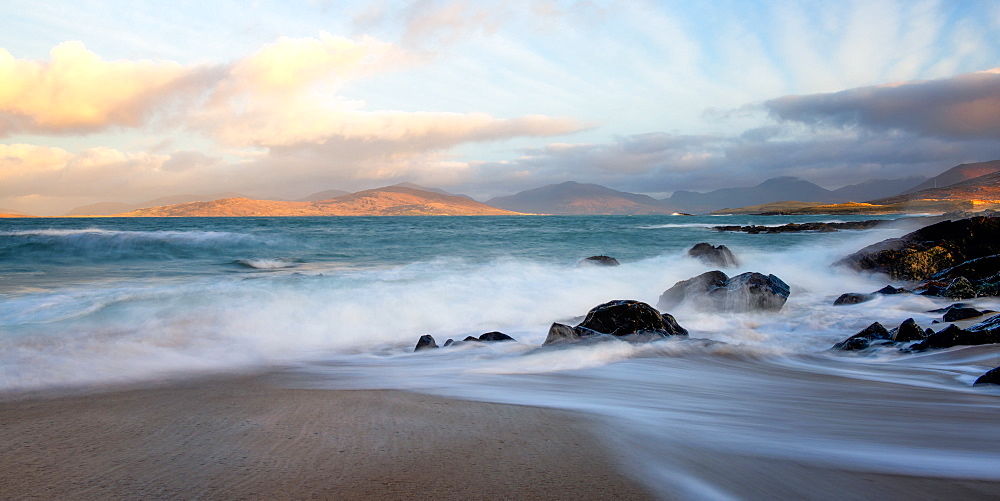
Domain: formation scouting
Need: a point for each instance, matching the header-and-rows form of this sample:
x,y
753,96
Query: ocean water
x,y
340,302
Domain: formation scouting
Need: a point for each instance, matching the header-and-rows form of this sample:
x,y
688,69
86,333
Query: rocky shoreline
x,y
955,259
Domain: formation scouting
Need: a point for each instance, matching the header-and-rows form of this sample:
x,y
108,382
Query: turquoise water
x,y
341,301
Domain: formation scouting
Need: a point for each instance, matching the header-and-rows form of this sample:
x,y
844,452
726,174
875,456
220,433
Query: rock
x,y
956,314
449,342
469,339
625,316
991,377
425,342
749,291
562,333
960,288
864,338
888,290
930,250
853,298
493,337
691,287
600,261
716,256
982,268
987,332
814,227
908,331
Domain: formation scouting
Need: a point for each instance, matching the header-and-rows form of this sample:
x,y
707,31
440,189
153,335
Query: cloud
x,y
76,91
965,106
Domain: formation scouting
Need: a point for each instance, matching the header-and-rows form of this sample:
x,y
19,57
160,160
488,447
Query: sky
x,y
130,101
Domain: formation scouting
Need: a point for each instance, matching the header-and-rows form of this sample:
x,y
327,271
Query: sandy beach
x,y
249,438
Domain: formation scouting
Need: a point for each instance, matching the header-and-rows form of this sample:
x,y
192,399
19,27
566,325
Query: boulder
x,y
600,261
888,290
920,254
960,288
991,377
907,331
864,338
956,314
562,333
623,317
493,337
425,342
749,291
853,298
714,255
692,287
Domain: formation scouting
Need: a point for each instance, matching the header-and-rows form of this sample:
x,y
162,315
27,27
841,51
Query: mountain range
x,y
971,181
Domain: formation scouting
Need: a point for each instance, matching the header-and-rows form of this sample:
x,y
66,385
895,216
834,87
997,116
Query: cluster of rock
x,y
815,227
985,332
427,341
716,291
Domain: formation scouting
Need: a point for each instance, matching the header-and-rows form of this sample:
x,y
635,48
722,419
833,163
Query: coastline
x,y
247,437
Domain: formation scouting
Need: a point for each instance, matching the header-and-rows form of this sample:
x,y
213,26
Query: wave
x,y
96,243
268,263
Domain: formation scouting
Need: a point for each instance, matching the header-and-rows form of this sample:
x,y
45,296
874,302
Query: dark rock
x,y
950,307
960,288
864,338
751,291
493,337
888,290
562,333
988,289
470,339
908,331
930,250
425,342
956,314
853,298
691,287
982,268
625,316
601,261
672,326
991,377
715,256
814,227
449,342
981,333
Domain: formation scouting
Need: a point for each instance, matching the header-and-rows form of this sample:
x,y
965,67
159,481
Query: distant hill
x,y
785,188
855,208
957,174
572,198
432,190
12,213
109,208
323,195
980,190
387,201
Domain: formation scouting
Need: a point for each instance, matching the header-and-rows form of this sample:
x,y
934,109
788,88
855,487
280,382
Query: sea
x,y
341,301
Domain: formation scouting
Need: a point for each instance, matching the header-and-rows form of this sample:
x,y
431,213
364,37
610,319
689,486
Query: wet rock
x,y
470,339
692,287
920,254
425,342
864,338
449,342
960,288
956,314
908,331
991,377
713,255
600,261
750,291
625,316
982,268
813,227
888,290
493,337
986,332
853,298
562,333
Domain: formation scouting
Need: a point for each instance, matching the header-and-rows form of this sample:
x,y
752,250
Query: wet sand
x,y
249,438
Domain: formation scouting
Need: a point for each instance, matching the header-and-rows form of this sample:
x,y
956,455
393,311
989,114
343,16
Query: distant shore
x,y
250,438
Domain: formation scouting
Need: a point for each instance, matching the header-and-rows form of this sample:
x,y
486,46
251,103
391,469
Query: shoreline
x,y
247,437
